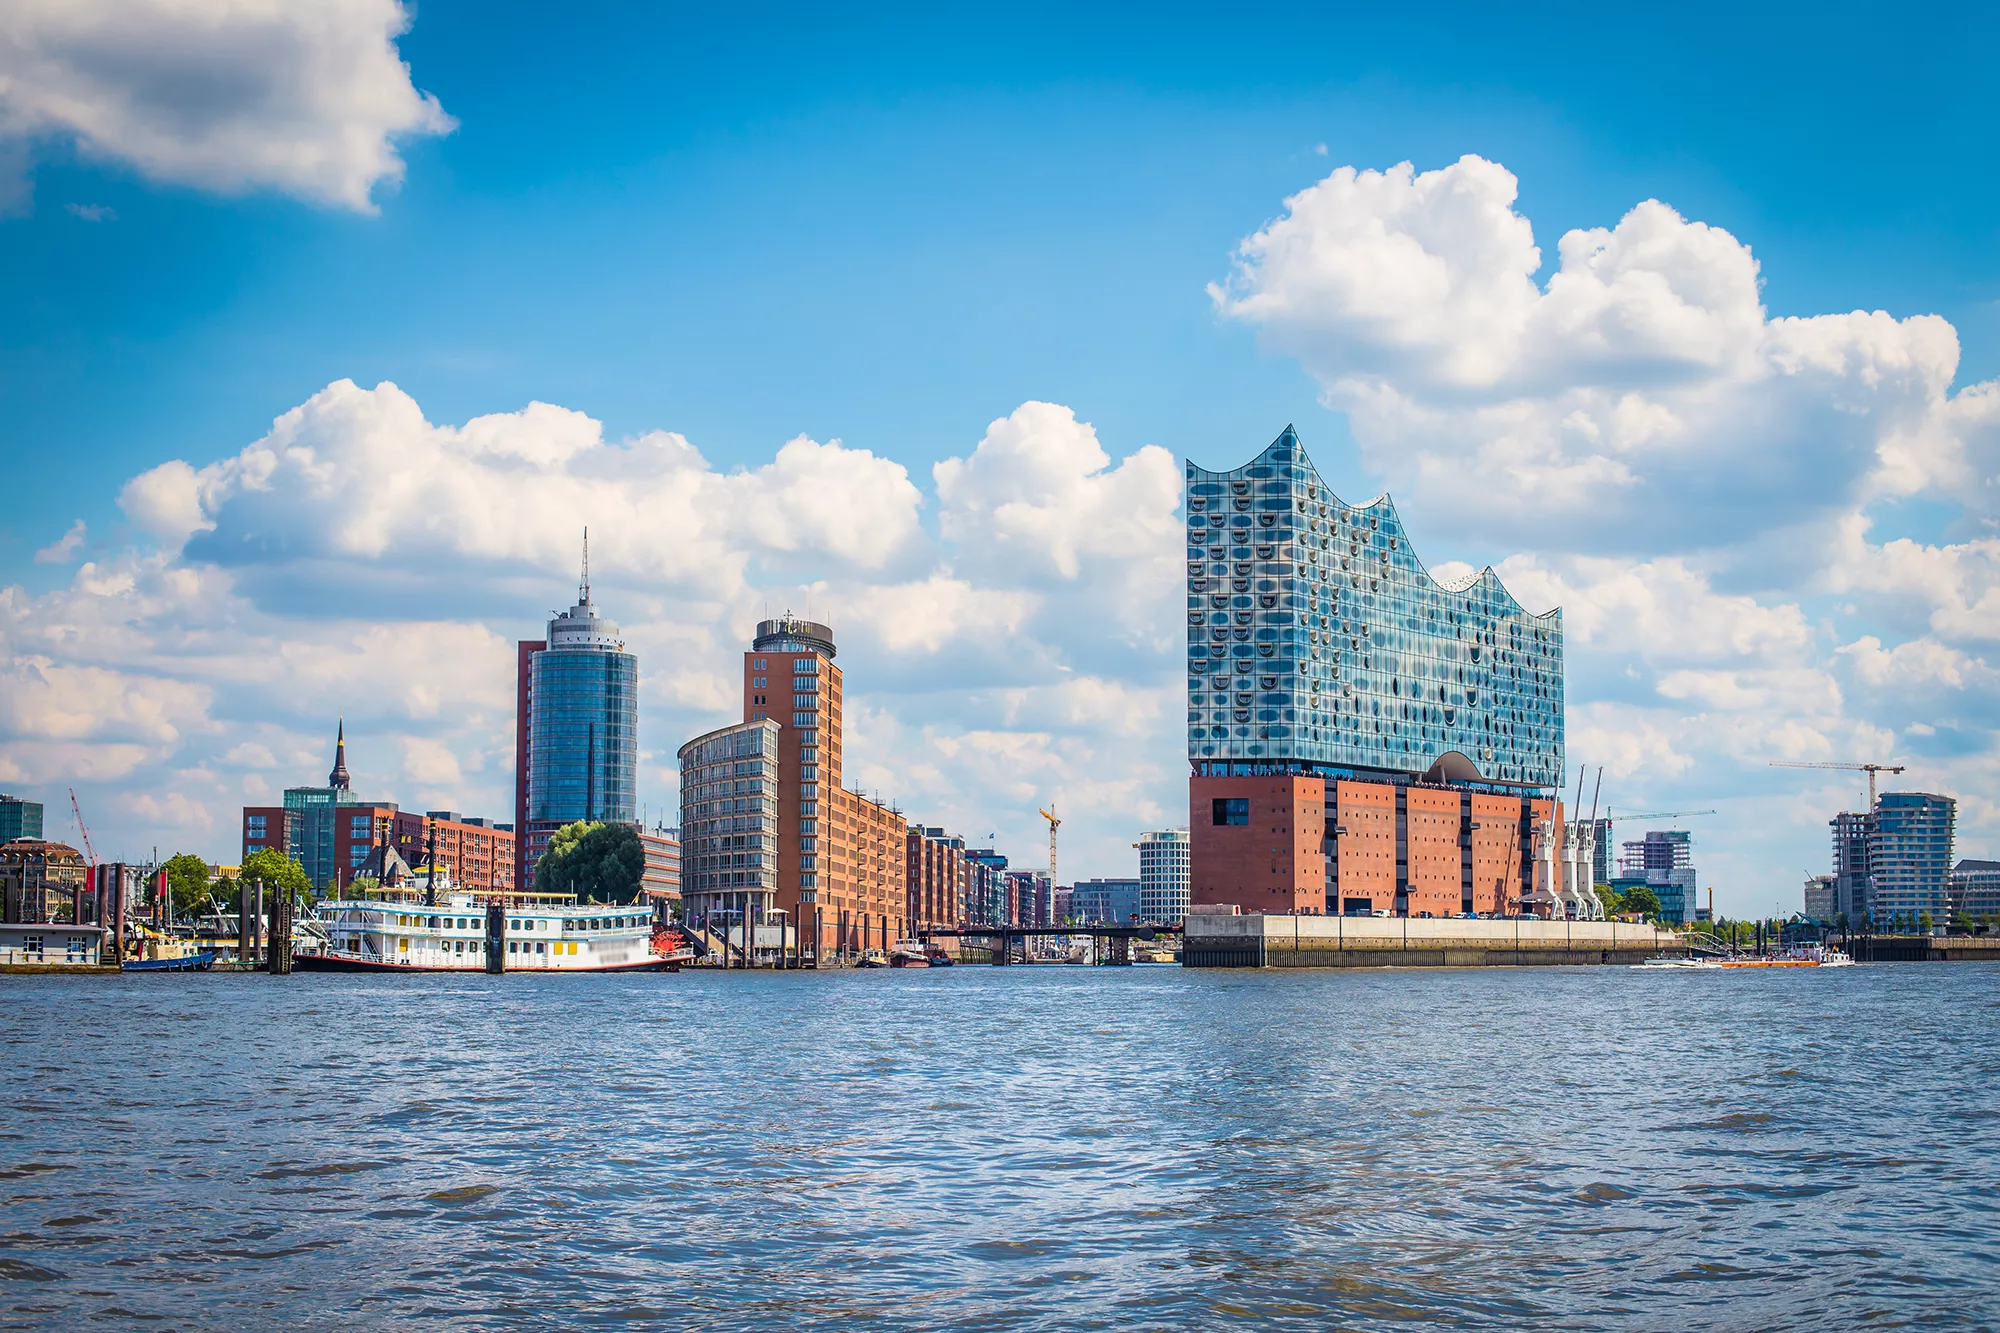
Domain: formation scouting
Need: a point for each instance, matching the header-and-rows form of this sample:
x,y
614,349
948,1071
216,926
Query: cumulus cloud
x,y
1031,618
226,95
61,550
1643,378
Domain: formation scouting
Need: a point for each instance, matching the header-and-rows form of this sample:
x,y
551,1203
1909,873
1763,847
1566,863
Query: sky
x,y
324,334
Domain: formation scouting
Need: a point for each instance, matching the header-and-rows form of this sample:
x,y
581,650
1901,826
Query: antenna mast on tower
x,y
584,590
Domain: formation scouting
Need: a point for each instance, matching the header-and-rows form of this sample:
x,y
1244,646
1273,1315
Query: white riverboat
x,y
398,931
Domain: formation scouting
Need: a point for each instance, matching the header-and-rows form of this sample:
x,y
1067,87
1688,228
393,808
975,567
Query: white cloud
x,y
60,551
226,95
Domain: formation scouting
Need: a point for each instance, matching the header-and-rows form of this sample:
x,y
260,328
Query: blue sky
x,y
890,231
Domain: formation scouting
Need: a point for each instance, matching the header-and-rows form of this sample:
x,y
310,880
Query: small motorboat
x,y
938,957
871,958
909,953
192,960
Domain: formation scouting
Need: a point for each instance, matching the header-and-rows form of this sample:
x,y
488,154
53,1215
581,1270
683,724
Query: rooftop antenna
x,y
585,590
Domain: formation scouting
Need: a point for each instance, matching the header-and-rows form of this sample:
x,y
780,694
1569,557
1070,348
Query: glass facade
x,y
1318,642
312,833
729,820
583,736
1909,861
1163,877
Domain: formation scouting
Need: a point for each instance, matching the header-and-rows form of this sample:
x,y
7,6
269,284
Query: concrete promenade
x,y
1365,941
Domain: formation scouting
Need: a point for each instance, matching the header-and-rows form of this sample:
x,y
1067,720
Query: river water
x,y
998,1149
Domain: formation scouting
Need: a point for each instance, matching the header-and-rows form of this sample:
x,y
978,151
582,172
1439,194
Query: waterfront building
x,y
935,879
1362,738
1909,861
841,857
1664,862
576,729
1028,898
44,882
1851,836
1106,902
1892,866
986,902
19,818
1975,890
729,824
306,826
1820,898
662,879
330,832
1163,876
1601,867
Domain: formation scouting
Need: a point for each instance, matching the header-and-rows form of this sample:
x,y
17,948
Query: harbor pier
x,y
1372,941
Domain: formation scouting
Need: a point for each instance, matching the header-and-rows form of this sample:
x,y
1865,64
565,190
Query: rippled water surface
x,y
1022,1148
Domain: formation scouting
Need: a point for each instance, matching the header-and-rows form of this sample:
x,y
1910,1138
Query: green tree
x,y
278,872
596,862
187,882
1613,902
1640,899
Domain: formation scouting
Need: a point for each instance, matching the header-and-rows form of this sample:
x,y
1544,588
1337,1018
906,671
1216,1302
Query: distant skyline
x,y
1691,328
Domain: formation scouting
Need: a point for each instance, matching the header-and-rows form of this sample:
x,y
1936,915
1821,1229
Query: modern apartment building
x,y
935,878
19,818
1664,862
1893,865
986,902
1819,898
840,854
662,879
1975,890
1028,898
1909,864
729,823
576,729
1362,738
1163,876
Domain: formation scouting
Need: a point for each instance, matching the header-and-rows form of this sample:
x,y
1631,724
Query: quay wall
x,y
1360,941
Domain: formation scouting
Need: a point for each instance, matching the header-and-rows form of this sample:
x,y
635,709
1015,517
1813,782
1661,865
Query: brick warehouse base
x,y
1361,941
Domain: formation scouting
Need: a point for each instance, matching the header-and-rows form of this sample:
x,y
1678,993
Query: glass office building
x,y
1319,644
583,728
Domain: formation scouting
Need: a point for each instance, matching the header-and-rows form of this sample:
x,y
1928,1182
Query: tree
x,y
1640,899
596,862
279,873
1613,902
187,882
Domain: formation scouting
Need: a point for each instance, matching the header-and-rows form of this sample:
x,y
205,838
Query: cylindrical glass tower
x,y
583,736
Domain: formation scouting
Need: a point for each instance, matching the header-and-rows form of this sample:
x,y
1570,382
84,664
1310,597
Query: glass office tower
x,y
583,728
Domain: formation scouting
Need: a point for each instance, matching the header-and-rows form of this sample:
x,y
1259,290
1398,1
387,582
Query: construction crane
x,y
1054,824
89,852
1870,769
1610,818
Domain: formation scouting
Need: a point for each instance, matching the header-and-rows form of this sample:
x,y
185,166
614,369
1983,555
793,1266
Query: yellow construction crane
x,y
1870,769
1054,824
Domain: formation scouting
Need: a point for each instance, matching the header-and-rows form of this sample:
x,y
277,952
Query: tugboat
x,y
909,953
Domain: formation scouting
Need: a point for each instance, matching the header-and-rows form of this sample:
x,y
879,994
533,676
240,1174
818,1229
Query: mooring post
x,y
496,938
280,950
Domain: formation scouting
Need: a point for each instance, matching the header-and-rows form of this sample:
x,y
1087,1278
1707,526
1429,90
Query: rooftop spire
x,y
338,777
584,591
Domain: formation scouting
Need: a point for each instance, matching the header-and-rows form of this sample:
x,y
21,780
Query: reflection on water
x,y
1023,1148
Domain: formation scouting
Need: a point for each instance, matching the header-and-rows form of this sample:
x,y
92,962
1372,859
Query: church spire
x,y
338,777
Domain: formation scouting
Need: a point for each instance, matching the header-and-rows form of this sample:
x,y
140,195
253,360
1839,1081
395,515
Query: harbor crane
x,y
1870,769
